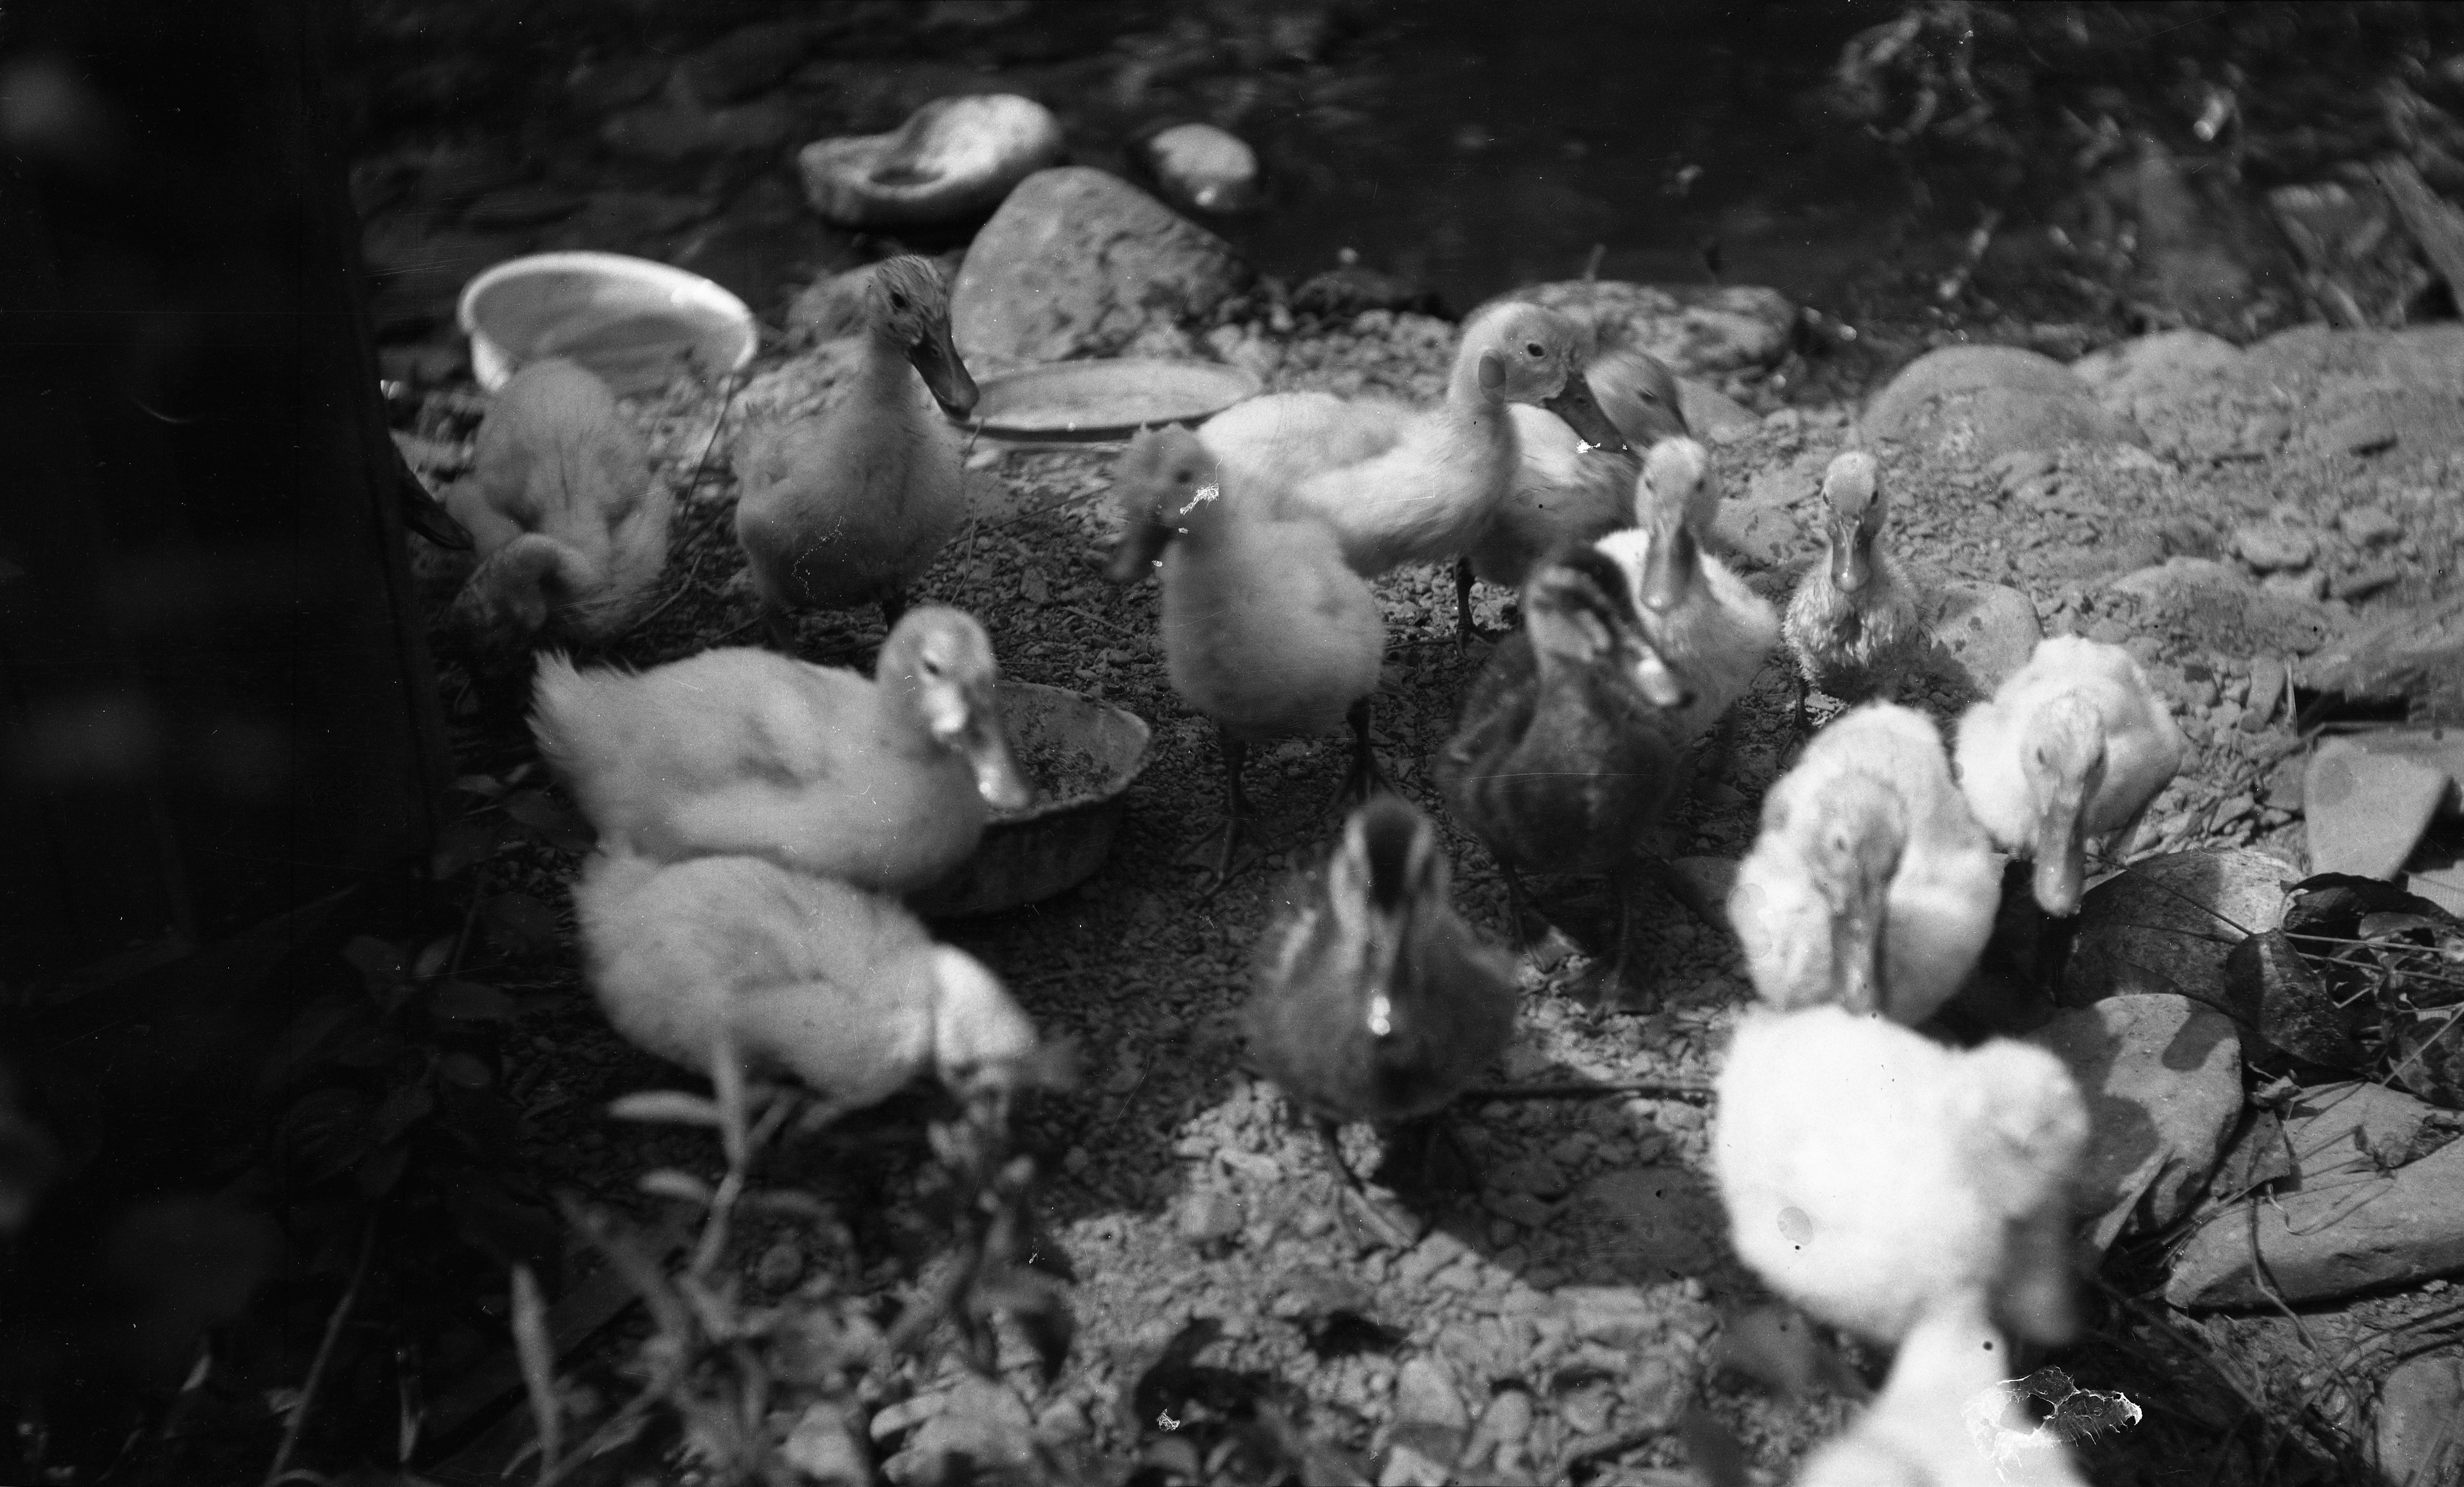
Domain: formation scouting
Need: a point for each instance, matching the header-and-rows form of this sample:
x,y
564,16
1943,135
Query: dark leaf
x,y
483,1121
406,1107
382,1168
2333,904
672,1107
468,1001
366,1047
520,925
465,1069
462,844
379,964
324,1132
2260,1157
308,1040
2296,1012
2385,925
2431,1060
484,786
516,1232
555,822
433,957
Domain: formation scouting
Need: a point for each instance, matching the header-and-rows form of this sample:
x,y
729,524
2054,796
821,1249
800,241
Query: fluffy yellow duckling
x,y
1266,631
1872,1175
1852,622
1418,487
883,783
1374,1000
1702,618
570,529
1568,491
1945,1418
840,988
1870,886
2077,744
849,505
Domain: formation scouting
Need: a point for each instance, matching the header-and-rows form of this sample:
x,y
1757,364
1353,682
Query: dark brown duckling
x,y
1567,750
1374,1001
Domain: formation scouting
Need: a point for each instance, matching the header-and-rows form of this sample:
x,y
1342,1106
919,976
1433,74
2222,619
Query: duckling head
x,y
1852,495
2063,758
908,302
944,657
1528,353
1581,611
1671,556
1162,480
1851,843
980,1039
1639,394
1388,872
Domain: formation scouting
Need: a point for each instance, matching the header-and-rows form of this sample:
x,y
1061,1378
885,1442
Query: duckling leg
x,y
1464,628
776,625
1606,980
1365,778
1236,804
893,604
1389,1229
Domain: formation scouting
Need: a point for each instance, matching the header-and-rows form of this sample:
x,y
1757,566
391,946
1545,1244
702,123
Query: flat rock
x,y
2364,811
2414,1429
2168,924
954,158
1711,414
2339,1225
2167,367
2161,1076
1425,1394
2271,546
1983,632
1202,168
1990,400
1078,264
1700,330
983,1422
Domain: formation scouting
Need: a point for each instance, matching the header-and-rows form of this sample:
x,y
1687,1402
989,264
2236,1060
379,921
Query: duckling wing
x,y
1990,777
1718,641
2144,751
1267,632
1427,496
1562,493
1782,923
1276,441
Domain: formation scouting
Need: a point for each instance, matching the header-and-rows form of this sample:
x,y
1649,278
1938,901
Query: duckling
x,y
1418,487
1374,1001
1853,621
1945,1418
570,529
883,783
1265,632
841,987
1871,886
1564,755
1566,490
1700,616
1872,1175
2075,745
849,506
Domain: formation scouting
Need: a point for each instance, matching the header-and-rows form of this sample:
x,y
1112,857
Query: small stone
x,y
2015,469
2367,810
1425,1394
1202,167
2162,1078
1613,1316
1586,1408
2363,582
824,1448
780,1266
1655,1394
2266,690
2364,431
1985,632
2270,546
2310,585
1995,399
1507,1423
953,158
1207,1217
2372,526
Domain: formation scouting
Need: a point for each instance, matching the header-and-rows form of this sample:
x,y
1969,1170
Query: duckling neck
x,y
883,375
900,724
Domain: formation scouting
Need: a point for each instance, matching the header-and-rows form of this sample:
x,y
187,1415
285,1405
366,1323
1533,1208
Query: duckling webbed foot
x,y
1543,943
1609,982
1366,777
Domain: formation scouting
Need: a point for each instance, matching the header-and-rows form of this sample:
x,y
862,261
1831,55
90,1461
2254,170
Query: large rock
x,y
1700,330
1990,400
1982,632
954,158
2341,1223
2168,924
2419,1404
2161,1076
2365,810
1078,264
2165,366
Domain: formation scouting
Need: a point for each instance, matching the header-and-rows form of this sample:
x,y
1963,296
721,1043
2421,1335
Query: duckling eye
x,y
1535,349
897,300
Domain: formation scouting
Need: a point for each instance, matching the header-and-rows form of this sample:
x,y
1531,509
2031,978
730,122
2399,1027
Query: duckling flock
x,y
760,815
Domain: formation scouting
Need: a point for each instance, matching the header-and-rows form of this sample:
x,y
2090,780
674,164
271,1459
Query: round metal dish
x,y
1080,756
629,319
1095,401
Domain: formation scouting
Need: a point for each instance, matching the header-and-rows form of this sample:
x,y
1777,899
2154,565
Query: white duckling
x,y
1415,487
1872,1175
1702,618
849,505
1870,886
1266,631
1567,491
570,527
840,988
881,781
1853,623
1945,1417
2075,745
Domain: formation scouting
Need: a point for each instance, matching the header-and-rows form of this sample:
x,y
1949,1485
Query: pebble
x,y
2363,582
780,1266
1425,1394
2372,526
1655,1394
2272,547
823,1451
2266,689
2311,585
2367,810
1207,1217
1507,1423
1586,1408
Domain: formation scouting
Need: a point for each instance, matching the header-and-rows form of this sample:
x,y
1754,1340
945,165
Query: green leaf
x,y
519,924
672,1107
551,820
325,1132
683,1187
468,1001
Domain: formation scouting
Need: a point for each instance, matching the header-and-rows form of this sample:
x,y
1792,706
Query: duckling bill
x,y
1374,1001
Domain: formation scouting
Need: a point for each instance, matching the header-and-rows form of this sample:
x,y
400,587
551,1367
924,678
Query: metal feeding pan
x,y
1098,402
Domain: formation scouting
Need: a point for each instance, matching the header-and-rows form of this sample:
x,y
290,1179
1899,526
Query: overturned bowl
x,y
629,319
1081,757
